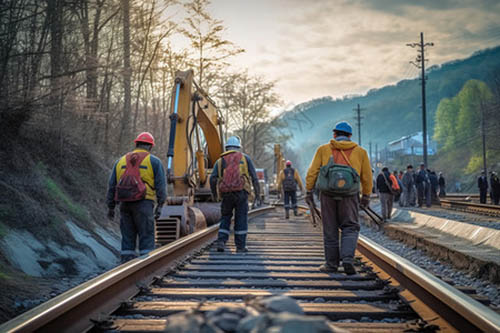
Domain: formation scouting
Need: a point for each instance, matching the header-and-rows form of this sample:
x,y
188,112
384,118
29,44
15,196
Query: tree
x,y
127,73
205,36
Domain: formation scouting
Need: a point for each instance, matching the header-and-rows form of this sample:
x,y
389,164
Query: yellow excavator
x,y
195,144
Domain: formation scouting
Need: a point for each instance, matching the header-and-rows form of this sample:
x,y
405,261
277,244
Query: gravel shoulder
x,y
436,267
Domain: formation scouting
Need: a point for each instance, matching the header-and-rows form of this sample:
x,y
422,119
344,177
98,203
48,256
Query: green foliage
x,y
63,200
4,276
445,130
3,229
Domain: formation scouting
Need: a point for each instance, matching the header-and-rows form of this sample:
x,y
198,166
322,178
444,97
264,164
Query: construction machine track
x,y
387,294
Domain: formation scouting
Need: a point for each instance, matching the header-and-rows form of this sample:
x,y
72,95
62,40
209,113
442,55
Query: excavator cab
x,y
195,144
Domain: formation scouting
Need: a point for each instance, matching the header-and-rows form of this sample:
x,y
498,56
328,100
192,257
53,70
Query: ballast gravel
x,y
436,267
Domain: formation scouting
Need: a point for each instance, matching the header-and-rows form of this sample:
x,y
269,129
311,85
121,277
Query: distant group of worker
x,y
494,187
409,188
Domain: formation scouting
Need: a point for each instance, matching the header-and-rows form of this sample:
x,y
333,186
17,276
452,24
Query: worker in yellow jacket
x,y
288,180
341,211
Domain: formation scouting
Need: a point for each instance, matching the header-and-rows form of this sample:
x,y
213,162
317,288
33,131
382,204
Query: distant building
x,y
410,145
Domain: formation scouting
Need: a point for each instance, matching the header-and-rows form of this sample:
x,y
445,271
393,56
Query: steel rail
x,y
471,207
76,309
463,312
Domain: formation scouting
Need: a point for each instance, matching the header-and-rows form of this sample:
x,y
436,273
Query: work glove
x,y
365,201
111,214
158,211
310,196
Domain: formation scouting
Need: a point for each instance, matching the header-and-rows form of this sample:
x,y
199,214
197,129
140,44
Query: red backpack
x,y
232,180
130,187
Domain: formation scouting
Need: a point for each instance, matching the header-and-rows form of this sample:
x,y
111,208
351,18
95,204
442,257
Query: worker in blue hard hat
x,y
347,167
232,178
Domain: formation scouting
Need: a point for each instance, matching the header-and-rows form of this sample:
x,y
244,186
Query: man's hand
x,y
365,201
111,214
158,211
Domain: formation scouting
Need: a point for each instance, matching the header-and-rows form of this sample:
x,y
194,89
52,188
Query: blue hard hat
x,y
343,126
233,141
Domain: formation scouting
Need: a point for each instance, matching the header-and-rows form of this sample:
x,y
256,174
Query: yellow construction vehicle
x,y
195,144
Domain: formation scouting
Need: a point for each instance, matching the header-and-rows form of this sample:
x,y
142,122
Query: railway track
x,y
471,207
283,259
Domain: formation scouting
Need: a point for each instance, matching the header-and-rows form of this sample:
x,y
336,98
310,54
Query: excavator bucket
x,y
183,219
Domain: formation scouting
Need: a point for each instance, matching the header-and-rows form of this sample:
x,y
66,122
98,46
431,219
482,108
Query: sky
x,y
317,48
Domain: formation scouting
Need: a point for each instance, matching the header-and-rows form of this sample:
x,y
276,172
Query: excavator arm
x,y
195,144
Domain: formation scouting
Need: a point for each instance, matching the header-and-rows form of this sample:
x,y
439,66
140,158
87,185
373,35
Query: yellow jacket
x,y
296,175
358,158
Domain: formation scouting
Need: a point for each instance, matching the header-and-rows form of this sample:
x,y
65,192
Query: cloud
x,y
343,47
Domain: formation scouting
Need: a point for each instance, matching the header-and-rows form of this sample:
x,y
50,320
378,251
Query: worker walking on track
x,y
482,184
232,177
387,187
137,181
338,169
288,180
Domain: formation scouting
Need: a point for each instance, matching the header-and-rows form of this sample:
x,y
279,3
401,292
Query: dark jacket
x,y
482,183
441,181
381,183
433,180
422,177
495,184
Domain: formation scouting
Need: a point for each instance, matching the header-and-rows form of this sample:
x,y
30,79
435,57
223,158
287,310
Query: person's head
x,y
422,166
385,169
342,129
288,164
395,172
233,143
482,173
145,140
409,167
440,174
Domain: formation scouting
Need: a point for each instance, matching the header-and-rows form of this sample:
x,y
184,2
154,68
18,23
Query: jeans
x,y
340,214
293,196
237,201
136,219
386,201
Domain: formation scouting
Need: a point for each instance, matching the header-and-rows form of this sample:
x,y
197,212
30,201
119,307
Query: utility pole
x,y
358,121
420,63
370,145
483,134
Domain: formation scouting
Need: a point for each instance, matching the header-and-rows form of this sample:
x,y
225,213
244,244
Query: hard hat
x,y
145,137
288,163
343,126
233,141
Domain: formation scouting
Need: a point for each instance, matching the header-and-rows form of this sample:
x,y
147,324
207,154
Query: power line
x,y
420,63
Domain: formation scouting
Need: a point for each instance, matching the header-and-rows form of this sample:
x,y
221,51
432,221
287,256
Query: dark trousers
x,y
237,202
482,195
290,196
420,194
386,201
442,191
495,198
136,220
340,215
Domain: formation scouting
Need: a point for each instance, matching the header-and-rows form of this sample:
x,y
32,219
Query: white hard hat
x,y
233,141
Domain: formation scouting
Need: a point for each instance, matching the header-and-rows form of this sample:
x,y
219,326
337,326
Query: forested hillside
x,y
389,112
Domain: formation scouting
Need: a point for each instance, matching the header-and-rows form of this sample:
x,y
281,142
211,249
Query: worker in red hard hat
x,y
137,182
288,180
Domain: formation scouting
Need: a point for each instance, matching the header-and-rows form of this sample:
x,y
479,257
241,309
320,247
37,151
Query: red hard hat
x,y
288,163
145,137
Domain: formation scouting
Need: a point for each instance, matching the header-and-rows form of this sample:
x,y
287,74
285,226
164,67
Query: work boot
x,y
287,214
349,268
325,268
220,246
241,250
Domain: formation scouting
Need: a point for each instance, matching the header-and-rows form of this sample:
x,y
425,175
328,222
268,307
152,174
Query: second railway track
x,y
471,207
387,294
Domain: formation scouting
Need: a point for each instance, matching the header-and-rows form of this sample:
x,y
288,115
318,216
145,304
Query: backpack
x,y
289,183
233,178
130,187
338,180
